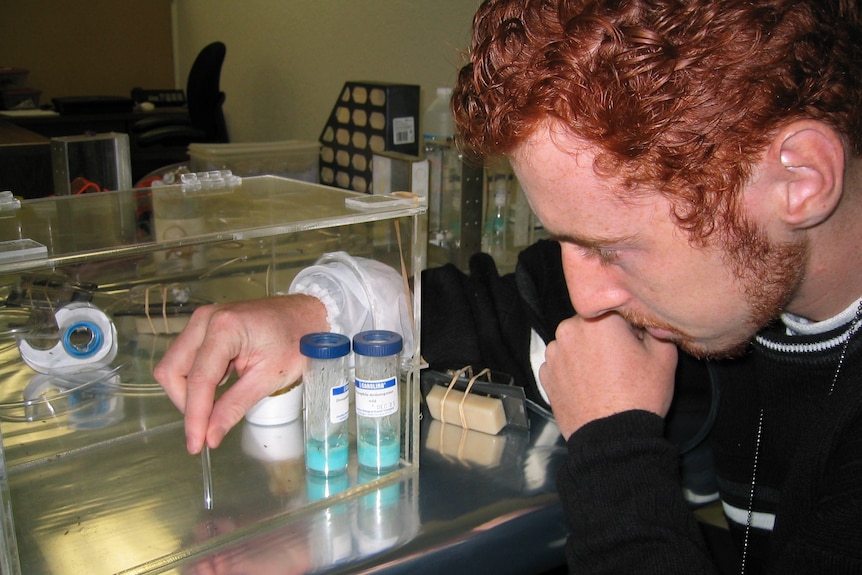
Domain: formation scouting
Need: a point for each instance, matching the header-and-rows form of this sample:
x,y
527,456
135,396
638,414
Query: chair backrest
x,y
203,94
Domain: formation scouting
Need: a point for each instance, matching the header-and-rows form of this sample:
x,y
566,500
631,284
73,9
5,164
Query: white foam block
x,y
481,413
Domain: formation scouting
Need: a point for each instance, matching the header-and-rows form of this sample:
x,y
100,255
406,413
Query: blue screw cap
x,y
377,343
324,345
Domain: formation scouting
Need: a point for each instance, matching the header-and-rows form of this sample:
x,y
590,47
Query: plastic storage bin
x,y
94,475
20,99
293,159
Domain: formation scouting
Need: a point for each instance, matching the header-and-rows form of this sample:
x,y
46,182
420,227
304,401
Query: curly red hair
x,y
679,96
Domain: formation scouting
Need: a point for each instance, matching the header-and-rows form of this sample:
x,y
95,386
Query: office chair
x,y
205,121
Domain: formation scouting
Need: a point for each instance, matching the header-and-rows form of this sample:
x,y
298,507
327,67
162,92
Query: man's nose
x,y
593,286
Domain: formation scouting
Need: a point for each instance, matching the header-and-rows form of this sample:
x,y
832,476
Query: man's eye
x,y
604,255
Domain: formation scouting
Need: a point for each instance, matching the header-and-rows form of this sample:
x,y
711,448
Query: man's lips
x,y
660,333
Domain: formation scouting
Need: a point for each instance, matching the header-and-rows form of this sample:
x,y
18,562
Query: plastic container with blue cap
x,y
326,385
378,418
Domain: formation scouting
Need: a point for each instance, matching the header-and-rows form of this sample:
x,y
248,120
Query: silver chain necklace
x,y
759,436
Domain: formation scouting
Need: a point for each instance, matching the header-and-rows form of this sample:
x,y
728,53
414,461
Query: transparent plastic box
x,y
95,477
294,159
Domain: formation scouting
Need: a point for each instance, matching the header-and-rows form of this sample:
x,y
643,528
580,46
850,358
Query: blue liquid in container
x,y
326,457
378,453
378,418
326,393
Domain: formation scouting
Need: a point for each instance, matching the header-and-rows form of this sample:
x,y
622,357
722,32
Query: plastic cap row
x,y
211,180
375,343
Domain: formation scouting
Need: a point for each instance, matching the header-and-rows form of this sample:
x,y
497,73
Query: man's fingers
x,y
178,361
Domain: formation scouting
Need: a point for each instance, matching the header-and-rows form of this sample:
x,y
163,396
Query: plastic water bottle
x,y
378,418
326,384
437,122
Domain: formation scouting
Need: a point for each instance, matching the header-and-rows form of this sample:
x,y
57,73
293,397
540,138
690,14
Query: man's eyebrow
x,y
596,242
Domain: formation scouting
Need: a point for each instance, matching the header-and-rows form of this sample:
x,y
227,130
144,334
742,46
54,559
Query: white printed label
x,y
339,403
376,398
403,130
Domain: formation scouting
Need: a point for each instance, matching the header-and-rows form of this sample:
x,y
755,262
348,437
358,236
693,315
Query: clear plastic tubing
x,y
326,390
376,354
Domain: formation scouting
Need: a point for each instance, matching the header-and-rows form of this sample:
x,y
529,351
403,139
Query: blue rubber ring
x,y
92,347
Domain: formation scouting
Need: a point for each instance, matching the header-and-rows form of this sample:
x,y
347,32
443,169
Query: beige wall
x,y
88,47
287,59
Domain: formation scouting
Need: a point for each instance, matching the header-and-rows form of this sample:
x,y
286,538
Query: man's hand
x,y
258,339
602,366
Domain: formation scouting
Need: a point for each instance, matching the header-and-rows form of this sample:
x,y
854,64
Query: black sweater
x,y
620,485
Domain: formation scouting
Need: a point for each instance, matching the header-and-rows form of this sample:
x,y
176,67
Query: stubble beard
x,y
768,273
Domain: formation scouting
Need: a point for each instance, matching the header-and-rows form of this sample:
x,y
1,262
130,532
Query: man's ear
x,y
811,162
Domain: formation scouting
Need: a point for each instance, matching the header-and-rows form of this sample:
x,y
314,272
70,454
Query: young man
x,y
699,164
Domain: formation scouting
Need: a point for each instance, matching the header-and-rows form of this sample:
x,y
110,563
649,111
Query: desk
x,y
25,161
144,160
453,515
457,516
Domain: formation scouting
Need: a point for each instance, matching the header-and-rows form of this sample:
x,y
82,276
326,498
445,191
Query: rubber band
x,y
462,443
455,377
147,309
267,279
165,308
443,439
466,392
214,269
